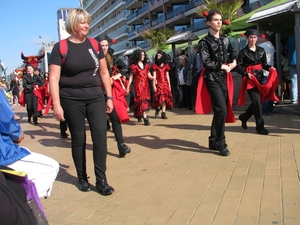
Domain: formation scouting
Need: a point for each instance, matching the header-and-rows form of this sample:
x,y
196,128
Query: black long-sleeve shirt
x,y
215,52
247,58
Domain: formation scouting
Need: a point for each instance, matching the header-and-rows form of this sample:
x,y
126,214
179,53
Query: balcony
x,y
119,33
96,7
133,4
116,5
144,45
194,28
175,12
109,24
160,19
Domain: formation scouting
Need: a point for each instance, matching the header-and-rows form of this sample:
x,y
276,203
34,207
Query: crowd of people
x,y
91,84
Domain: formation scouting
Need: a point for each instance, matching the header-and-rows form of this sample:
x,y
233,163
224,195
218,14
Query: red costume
x,y
203,102
266,91
163,92
142,92
120,103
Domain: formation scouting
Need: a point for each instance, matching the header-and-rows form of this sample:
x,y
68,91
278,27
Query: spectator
x,y
266,44
40,169
76,91
292,62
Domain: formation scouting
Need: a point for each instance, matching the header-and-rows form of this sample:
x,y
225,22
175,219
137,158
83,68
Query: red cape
x,y
266,91
120,103
203,101
38,94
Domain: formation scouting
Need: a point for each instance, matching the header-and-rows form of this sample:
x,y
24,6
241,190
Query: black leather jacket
x,y
215,52
30,81
248,57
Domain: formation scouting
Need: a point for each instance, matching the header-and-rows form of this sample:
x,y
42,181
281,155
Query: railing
x,y
143,9
105,13
196,27
175,12
116,33
132,15
160,19
115,20
97,6
144,45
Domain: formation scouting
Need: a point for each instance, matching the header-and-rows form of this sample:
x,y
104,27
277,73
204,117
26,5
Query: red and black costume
x,y
141,85
163,93
33,86
254,62
214,53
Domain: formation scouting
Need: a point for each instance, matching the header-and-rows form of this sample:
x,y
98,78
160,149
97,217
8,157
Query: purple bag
x,y
31,194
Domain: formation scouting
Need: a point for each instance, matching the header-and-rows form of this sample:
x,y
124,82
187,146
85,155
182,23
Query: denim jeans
x,y
294,83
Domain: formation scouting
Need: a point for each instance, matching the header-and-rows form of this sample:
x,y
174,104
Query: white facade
x,y
61,20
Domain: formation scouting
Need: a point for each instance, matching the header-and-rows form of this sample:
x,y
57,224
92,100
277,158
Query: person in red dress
x,y
139,71
163,96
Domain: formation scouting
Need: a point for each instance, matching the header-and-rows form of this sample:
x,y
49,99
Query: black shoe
x,y
223,150
163,115
83,185
146,122
35,123
212,146
156,115
262,131
29,120
64,135
139,119
104,188
244,123
123,150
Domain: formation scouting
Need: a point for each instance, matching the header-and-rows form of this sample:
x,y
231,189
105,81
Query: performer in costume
x,y
139,71
162,87
251,62
119,93
33,86
215,81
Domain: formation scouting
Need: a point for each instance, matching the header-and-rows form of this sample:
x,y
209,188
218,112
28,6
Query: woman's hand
x,y
109,106
117,76
17,141
58,112
249,75
154,88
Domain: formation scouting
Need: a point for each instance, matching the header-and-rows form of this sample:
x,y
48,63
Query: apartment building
x,y
109,17
124,19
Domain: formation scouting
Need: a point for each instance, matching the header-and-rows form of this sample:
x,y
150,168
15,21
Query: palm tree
x,y
230,9
157,38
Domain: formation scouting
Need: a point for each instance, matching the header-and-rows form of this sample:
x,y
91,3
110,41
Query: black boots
x,y
104,188
163,115
123,150
84,185
156,112
244,122
146,122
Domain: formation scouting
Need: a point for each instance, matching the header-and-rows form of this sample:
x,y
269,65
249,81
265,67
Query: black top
x,y
79,78
247,57
214,52
30,81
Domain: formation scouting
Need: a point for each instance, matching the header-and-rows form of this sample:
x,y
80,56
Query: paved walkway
x,y
172,178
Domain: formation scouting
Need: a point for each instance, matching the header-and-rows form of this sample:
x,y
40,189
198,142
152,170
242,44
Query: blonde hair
x,y
109,60
76,16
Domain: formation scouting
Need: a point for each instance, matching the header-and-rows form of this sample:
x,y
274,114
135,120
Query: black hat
x,y
37,69
251,32
103,37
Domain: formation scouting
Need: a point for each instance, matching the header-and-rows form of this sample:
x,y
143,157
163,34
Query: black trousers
x,y
254,109
186,96
116,125
31,105
63,127
219,95
95,111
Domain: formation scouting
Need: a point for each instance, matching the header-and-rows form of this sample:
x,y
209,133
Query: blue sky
x,y
22,22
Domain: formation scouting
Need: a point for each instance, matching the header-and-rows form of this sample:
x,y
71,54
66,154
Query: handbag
x,y
31,194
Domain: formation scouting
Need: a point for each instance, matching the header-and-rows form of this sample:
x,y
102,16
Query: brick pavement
x,y
172,178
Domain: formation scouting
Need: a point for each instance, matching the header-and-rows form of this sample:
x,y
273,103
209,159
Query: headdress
x,y
103,37
212,12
